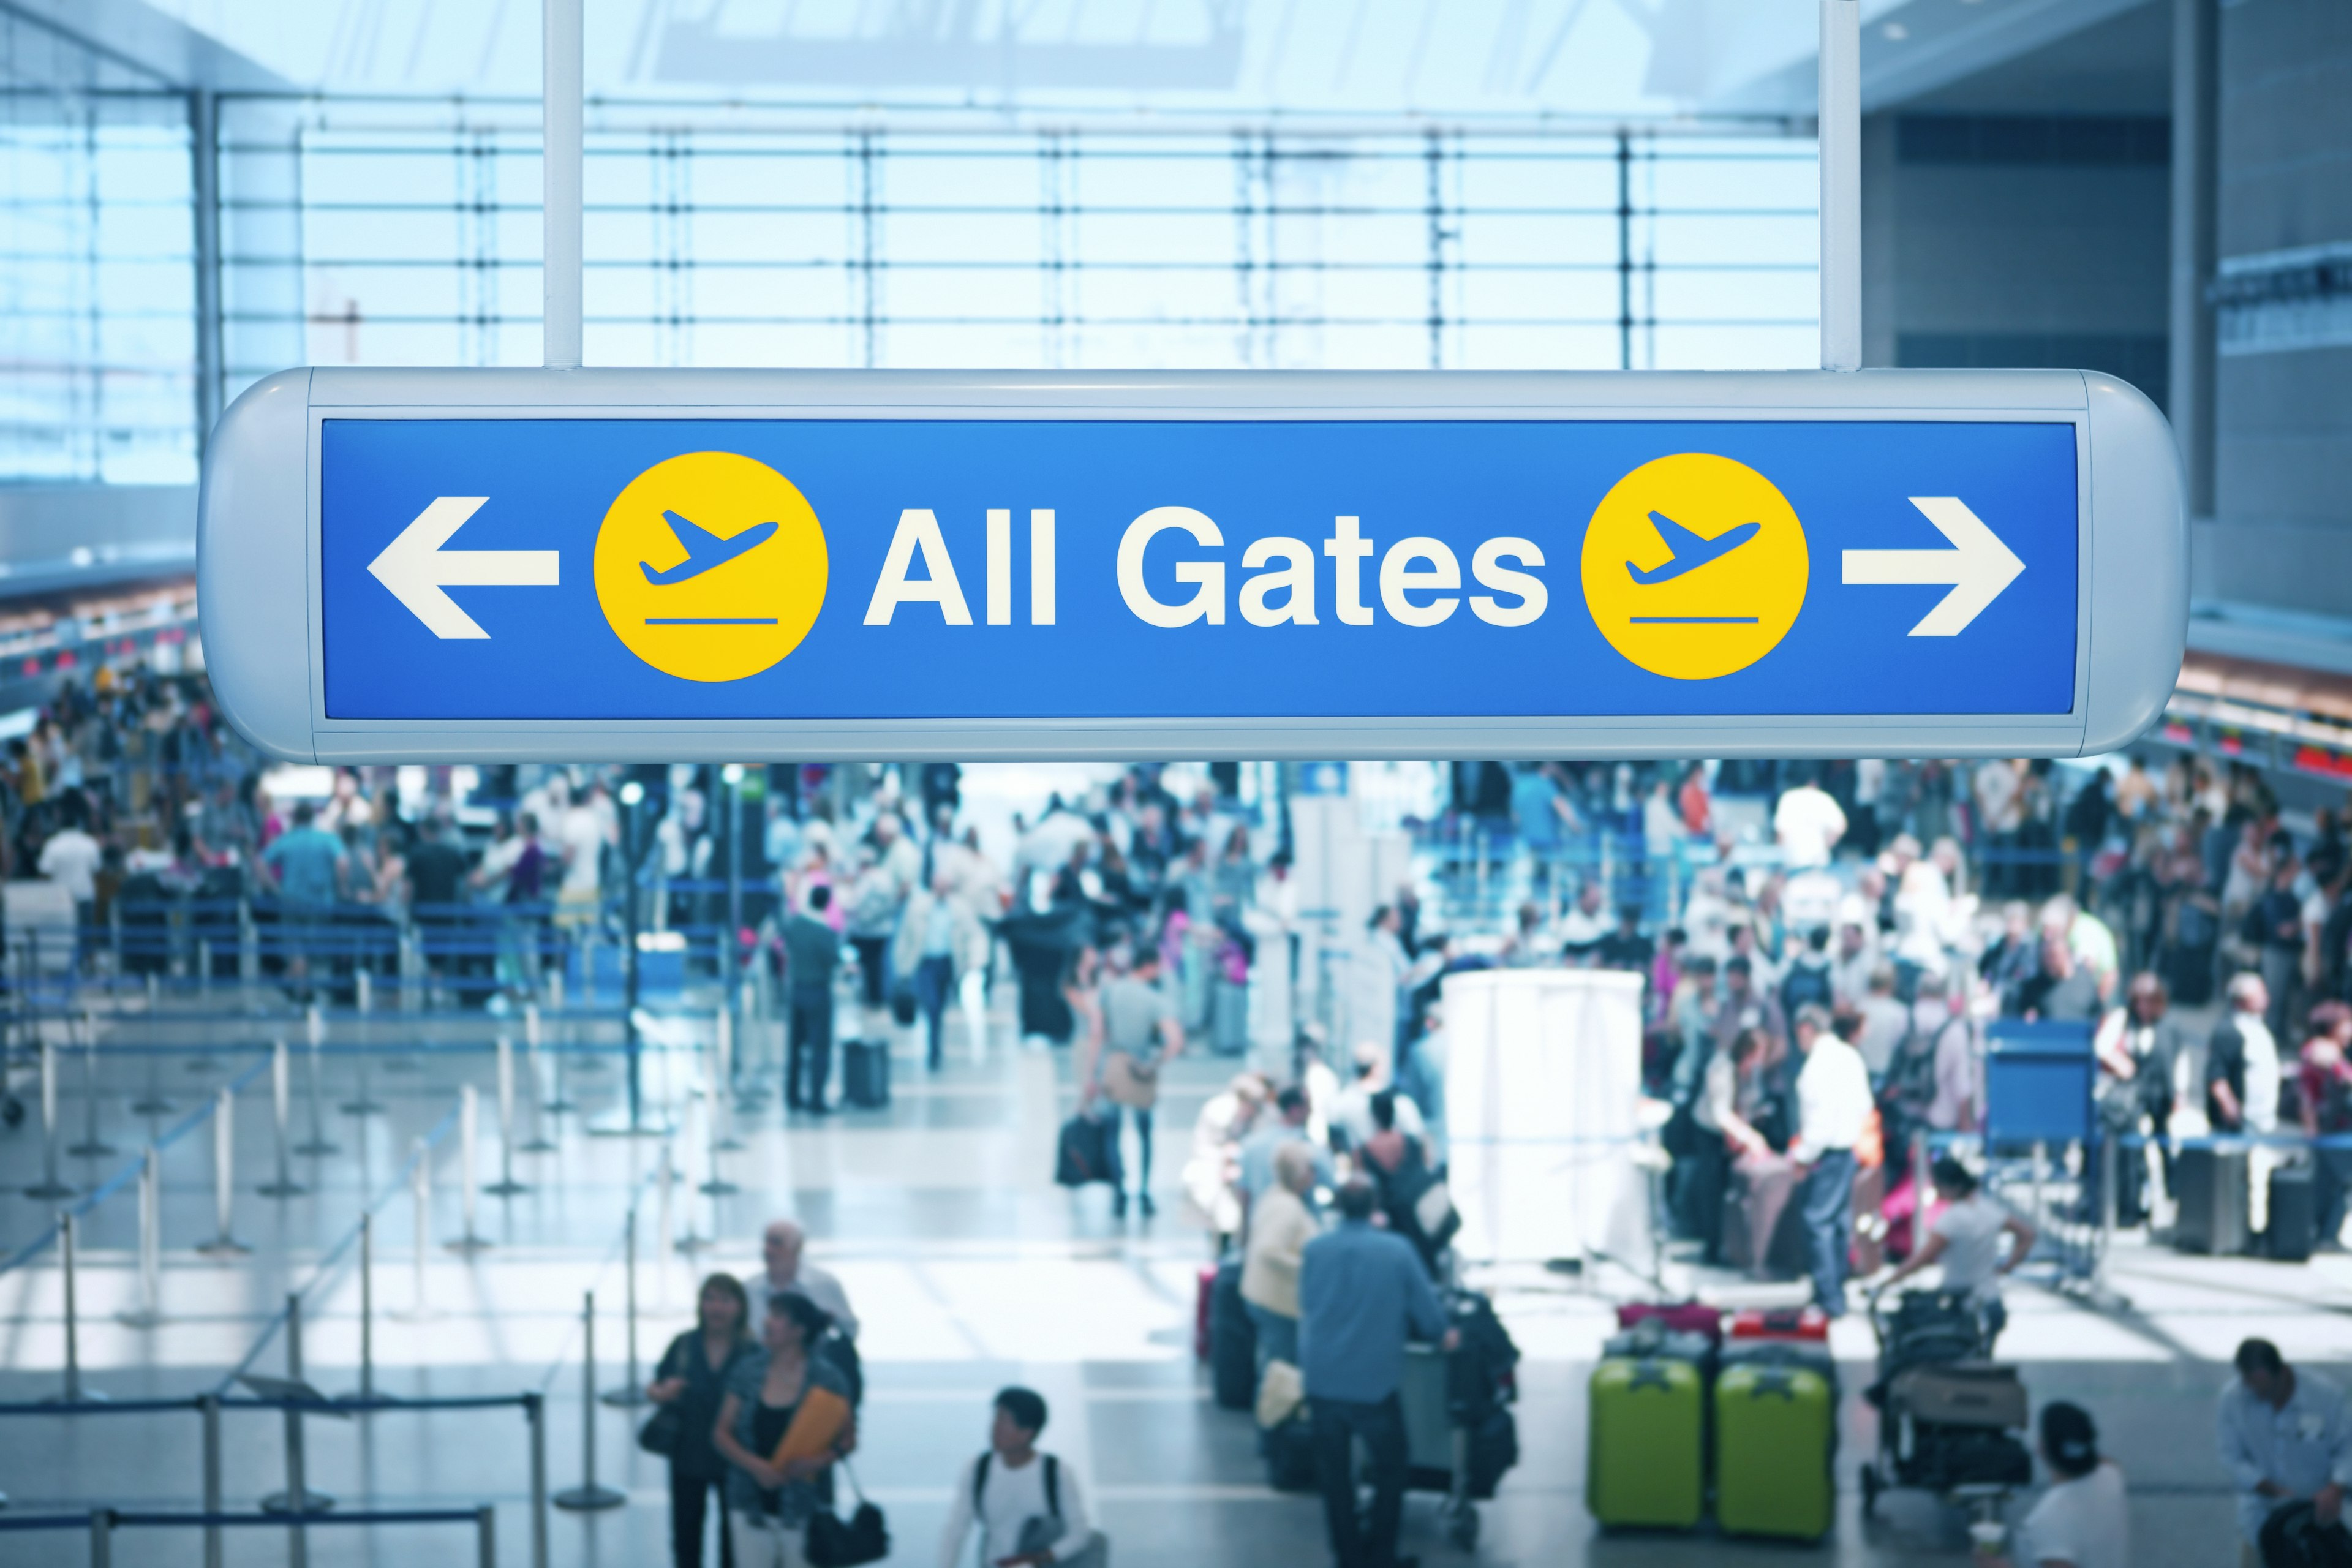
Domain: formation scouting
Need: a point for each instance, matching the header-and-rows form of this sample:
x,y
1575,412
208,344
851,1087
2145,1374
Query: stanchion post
x,y
534,1415
298,1497
588,1496
367,1306
722,1092
150,1311
208,1413
101,1538
506,1186
51,1185
631,1392
486,1536
539,1142
316,1026
280,1095
470,1118
65,1263
420,1194
664,1185
558,1099
151,1101
223,1176
717,1185
691,1242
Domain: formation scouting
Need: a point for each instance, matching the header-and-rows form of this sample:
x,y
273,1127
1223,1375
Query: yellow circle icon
x,y
711,567
1695,566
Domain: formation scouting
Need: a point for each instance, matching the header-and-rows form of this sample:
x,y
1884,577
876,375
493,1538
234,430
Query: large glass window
x,y
409,234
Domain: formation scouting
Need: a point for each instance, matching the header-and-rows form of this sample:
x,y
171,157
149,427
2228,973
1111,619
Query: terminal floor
x,y
969,1270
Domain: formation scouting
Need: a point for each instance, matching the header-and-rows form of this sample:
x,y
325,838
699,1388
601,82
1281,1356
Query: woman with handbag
x,y
769,1503
687,1389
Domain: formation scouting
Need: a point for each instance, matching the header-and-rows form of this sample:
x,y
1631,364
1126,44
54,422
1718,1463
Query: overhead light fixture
x,y
632,793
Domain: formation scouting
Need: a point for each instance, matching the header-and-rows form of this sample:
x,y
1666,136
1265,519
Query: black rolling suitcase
x,y
2294,1215
2209,1183
865,1074
1232,1342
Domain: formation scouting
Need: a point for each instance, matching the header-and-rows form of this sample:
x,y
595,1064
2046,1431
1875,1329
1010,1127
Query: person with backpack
x,y
1028,1505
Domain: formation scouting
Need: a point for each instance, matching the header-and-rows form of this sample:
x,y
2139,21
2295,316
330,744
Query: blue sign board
x,y
844,568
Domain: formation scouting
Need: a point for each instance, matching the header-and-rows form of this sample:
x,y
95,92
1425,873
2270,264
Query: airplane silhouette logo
x,y
706,551
1687,551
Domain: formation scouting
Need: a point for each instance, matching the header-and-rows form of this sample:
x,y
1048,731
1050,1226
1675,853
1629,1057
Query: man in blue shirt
x,y
308,862
1362,1292
2284,1436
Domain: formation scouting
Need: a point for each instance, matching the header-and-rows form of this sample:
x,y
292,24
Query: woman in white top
x,y
1977,1241
2080,1521
1028,1505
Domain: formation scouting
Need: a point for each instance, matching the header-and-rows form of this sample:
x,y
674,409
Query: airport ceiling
x,y
1517,59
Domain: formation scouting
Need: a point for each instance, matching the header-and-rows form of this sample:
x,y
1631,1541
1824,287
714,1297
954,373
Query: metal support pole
x,y
588,1496
539,1144
722,1069
534,1415
486,1536
101,1538
203,152
223,1176
469,1121
631,1392
367,1306
51,1185
67,1225
318,1143
560,159
298,1497
91,1145
717,1185
420,1197
208,1411
1840,118
280,1091
506,1186
150,1311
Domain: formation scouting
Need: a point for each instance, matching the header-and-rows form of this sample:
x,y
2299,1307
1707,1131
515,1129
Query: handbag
x,y
662,1430
834,1542
1087,1151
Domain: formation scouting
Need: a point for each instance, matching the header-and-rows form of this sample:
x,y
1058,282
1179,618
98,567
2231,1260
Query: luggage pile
x,y
1681,1414
2212,1179
1949,1420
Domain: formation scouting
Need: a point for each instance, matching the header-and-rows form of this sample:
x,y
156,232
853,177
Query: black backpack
x,y
2293,1538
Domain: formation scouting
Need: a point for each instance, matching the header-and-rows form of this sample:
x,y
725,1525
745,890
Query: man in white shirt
x,y
1833,1103
2284,1436
1028,1505
1808,823
781,1247
71,860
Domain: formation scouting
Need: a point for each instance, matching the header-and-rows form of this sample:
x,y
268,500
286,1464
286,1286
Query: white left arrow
x,y
1978,566
416,569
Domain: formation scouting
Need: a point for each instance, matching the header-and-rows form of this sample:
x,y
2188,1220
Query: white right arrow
x,y
1979,567
416,568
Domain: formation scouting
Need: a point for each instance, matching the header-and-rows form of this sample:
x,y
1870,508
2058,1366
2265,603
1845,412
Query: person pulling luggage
x,y
1362,1293
1975,1239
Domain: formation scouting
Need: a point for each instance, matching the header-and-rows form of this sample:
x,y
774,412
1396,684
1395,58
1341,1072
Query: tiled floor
x,y
969,1269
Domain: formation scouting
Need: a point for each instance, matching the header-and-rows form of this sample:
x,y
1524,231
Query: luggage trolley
x,y
1460,1435
1945,1412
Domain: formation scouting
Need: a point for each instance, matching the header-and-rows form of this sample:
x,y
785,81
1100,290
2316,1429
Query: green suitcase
x,y
1775,1426
1646,1457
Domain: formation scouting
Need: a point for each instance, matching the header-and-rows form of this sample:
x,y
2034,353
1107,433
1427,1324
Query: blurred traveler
x,y
769,1505
1028,1505
1139,1034
690,1382
1280,1228
1362,1293
2284,1437
2083,1519
1833,1103
812,955
783,1269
